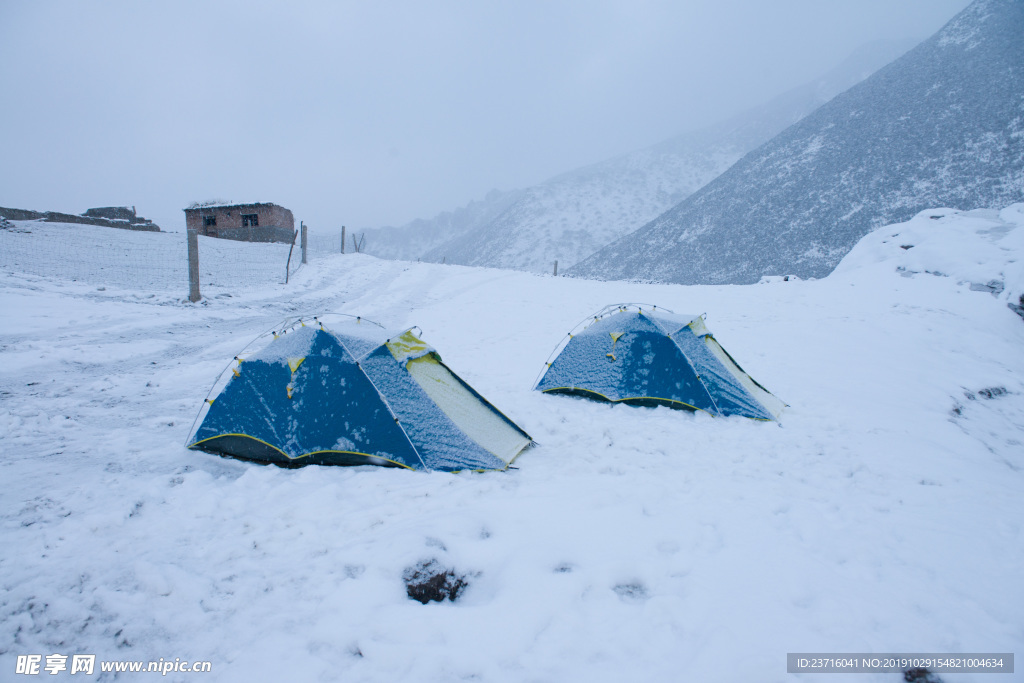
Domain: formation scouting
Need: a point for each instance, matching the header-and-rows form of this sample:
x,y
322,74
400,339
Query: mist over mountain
x,y
572,215
941,126
411,241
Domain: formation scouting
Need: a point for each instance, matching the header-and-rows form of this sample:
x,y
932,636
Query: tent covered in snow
x,y
645,355
354,394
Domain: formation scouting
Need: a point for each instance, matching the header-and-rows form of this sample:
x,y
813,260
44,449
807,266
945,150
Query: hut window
x,y
209,221
250,220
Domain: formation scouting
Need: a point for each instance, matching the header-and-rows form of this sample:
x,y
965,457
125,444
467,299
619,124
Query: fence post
x,y
343,239
193,266
288,265
303,240
556,267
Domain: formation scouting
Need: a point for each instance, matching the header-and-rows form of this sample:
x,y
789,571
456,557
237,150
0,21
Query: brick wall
x,y
275,223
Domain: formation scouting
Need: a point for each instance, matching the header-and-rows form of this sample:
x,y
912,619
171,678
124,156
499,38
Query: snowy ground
x,y
885,514
142,261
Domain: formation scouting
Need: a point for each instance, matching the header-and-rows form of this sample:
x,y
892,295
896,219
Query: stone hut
x,y
259,222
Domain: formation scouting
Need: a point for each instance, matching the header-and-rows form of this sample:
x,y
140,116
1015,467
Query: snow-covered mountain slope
x,y
411,241
574,214
631,544
941,126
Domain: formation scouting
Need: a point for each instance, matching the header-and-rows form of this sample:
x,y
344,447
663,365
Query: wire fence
x,y
330,242
149,261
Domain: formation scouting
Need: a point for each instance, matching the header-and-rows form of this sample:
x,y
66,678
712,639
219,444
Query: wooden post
x,y
556,267
343,239
288,266
302,226
193,265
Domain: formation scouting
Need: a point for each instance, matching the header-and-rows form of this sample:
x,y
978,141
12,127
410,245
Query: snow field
x,y
631,544
145,262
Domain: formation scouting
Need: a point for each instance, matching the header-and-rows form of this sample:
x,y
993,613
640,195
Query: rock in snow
x,y
941,126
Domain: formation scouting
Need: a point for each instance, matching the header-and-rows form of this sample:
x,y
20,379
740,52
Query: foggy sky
x,y
375,113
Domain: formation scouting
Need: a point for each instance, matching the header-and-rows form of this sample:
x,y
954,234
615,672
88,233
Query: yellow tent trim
x,y
627,398
615,340
304,455
294,363
367,455
408,344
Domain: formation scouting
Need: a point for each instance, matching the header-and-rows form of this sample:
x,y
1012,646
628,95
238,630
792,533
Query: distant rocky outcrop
x,y
941,126
123,217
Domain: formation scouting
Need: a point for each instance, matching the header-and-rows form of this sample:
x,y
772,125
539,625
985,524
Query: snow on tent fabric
x,y
355,395
650,356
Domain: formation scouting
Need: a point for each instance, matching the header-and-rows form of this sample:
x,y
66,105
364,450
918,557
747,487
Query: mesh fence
x,y
322,244
330,242
148,261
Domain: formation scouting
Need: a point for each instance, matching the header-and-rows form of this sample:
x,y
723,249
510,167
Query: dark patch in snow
x,y
993,287
7,225
437,543
564,568
430,581
123,642
1017,308
920,675
987,393
631,591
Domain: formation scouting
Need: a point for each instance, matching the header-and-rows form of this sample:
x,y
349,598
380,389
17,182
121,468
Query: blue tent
x,y
353,395
644,355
